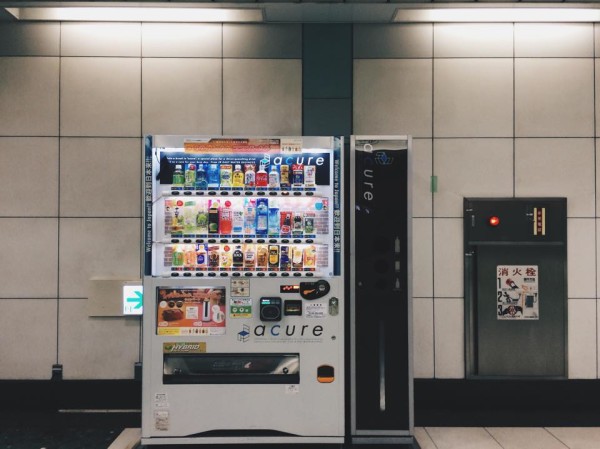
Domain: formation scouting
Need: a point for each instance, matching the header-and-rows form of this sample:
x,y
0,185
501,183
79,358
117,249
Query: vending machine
x,y
243,329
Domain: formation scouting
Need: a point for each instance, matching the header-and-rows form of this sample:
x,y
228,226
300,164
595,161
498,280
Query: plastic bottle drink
x,y
213,176
190,176
298,175
226,219
238,221
284,176
297,224
284,258
189,217
213,217
201,257
249,256
226,174
262,216
201,182
273,219
202,219
177,256
178,176
238,257
274,178
225,257
238,177
309,223
310,173
250,217
273,257
249,176
262,179
262,256
189,257
285,223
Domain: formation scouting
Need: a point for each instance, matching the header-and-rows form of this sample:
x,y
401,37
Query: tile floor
x,y
508,437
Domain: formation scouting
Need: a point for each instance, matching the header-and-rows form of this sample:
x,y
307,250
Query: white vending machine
x,y
243,327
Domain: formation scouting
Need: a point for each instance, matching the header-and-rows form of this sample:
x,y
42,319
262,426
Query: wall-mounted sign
x,y
517,292
133,299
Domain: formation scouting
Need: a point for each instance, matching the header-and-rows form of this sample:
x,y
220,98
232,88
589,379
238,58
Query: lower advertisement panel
x,y
252,368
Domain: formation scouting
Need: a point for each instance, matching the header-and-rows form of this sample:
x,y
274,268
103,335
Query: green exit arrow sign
x,y
133,299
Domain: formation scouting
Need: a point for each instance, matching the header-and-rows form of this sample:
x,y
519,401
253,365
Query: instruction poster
x,y
517,292
191,311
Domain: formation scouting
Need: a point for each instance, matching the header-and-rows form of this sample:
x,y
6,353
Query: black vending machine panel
x,y
515,287
381,312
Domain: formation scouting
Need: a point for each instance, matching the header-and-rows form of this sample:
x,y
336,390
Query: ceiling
x,y
311,11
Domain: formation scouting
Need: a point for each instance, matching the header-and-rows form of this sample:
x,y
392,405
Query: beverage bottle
x,y
310,173
273,257
201,257
238,177
178,176
284,176
202,219
226,174
238,257
214,257
297,228
250,217
249,257
190,176
177,256
238,221
201,181
262,216
298,175
189,217
189,257
309,223
273,219
177,225
273,177
262,179
213,217
226,257
285,223
297,258
226,219
310,257
262,256
213,176
284,258
249,176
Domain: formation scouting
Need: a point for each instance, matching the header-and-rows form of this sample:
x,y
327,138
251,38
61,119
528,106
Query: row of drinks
x,y
252,217
200,176
247,257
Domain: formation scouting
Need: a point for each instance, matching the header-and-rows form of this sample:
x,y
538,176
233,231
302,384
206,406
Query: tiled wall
x,y
75,100
495,110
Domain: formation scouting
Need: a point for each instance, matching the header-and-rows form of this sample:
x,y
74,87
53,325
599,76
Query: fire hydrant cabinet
x,y
515,287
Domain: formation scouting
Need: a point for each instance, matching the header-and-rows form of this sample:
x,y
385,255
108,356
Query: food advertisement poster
x,y
191,311
517,292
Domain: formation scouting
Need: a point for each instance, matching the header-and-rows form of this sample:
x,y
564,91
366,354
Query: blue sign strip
x,y
337,206
148,206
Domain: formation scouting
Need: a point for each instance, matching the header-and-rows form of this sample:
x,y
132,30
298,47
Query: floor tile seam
x,y
430,437
556,438
493,437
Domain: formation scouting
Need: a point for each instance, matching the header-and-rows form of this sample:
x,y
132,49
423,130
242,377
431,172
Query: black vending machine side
x,y
515,287
381,365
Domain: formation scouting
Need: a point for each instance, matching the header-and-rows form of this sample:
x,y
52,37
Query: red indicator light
x,y
494,221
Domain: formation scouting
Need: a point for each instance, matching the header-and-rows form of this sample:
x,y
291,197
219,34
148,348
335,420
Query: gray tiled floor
x,y
508,437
